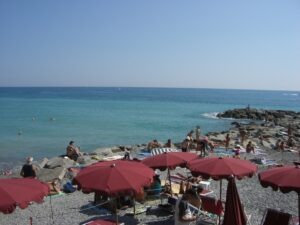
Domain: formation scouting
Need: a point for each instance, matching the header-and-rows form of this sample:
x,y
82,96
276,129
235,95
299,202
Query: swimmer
x,y
20,132
52,119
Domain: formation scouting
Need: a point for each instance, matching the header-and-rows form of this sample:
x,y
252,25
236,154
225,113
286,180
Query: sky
x,y
159,43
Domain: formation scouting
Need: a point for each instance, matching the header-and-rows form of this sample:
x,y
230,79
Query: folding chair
x,y
275,217
212,207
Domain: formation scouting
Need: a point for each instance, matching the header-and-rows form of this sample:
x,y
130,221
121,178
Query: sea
x,y
40,121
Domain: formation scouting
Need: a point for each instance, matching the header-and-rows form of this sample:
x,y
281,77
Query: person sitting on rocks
x,y
249,147
168,144
54,187
28,170
73,152
153,144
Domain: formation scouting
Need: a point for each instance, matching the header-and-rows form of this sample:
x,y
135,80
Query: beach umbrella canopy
x,y
234,213
222,168
20,192
114,178
169,160
219,168
285,178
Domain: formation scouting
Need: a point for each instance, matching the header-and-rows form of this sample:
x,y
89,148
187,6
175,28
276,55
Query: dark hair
x,y
192,192
71,142
200,189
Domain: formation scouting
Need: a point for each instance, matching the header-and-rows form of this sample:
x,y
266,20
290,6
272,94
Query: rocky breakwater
x,y
266,127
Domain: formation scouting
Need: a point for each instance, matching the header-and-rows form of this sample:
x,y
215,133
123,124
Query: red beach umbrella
x,y
20,192
169,160
219,168
101,222
114,177
284,178
234,213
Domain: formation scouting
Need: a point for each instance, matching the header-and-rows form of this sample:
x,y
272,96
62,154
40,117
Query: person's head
x,y
169,141
190,194
71,142
199,189
29,159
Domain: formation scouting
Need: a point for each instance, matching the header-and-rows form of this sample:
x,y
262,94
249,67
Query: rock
x,y
47,175
104,152
85,160
59,162
43,163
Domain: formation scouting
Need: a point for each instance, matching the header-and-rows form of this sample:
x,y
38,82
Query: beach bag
x,y
68,188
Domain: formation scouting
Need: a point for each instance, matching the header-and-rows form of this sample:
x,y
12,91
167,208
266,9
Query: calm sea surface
x,y
41,121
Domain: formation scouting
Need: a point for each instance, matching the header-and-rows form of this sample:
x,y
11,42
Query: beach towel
x,y
157,151
68,188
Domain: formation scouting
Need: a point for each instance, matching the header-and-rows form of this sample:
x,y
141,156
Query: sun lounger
x,y
211,209
275,217
268,162
102,222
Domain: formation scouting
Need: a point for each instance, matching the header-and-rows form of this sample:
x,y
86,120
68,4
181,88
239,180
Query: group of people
x,y
155,144
199,144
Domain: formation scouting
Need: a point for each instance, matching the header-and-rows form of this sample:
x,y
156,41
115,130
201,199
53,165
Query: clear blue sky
x,y
207,44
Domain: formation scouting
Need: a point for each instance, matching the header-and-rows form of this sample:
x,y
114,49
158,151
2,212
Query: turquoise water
x,y
99,117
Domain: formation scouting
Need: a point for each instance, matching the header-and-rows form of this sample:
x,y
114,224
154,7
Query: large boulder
x,y
48,175
60,162
86,160
107,152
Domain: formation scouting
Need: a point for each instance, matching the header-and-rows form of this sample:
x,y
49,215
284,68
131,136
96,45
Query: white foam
x,y
211,115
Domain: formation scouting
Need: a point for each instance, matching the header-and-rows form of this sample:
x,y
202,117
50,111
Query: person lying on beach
x,y
28,169
73,152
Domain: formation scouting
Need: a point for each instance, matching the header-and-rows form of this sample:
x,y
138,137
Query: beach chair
x,y
211,208
275,217
101,222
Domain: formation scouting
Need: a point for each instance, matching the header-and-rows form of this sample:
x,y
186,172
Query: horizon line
x,y
209,88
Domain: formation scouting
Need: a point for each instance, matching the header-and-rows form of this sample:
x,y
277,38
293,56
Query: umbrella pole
x,y
220,199
133,206
51,209
298,207
169,175
116,205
